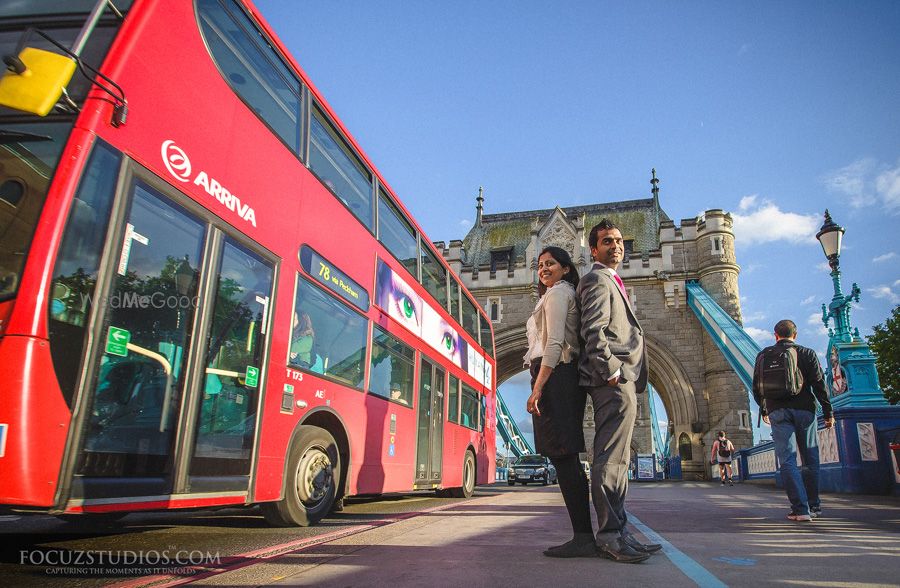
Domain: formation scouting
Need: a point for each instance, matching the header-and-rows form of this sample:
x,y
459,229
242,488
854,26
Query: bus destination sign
x,y
332,278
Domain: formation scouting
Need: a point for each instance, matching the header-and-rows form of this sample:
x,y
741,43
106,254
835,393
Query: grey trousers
x,y
615,409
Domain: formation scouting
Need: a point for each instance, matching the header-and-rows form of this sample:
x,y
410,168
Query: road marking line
x,y
690,568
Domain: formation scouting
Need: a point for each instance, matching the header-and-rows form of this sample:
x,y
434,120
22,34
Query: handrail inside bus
x,y
167,367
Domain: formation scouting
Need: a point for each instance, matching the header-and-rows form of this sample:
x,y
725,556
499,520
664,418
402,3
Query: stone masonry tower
x,y
497,261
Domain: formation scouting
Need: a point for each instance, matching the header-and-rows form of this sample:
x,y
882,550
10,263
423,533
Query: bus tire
x,y
313,472
468,478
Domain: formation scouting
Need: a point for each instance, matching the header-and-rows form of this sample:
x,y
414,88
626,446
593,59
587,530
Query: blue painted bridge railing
x,y
736,345
509,431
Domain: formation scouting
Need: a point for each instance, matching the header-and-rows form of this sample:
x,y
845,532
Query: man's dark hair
x,y
603,225
786,329
563,258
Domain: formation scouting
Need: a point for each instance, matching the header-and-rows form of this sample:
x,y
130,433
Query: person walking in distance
x,y
557,402
787,382
722,450
613,370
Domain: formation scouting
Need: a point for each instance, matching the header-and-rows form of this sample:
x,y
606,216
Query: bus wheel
x,y
312,480
468,478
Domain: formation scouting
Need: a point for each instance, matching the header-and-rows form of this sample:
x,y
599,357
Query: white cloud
x,y
885,257
815,320
465,223
808,300
897,284
887,185
761,336
866,182
885,292
747,202
749,269
754,317
766,222
823,267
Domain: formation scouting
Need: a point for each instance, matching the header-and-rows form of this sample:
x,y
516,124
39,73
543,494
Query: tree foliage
x,y
885,344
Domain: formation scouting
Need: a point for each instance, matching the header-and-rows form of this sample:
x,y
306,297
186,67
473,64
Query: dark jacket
x,y
813,384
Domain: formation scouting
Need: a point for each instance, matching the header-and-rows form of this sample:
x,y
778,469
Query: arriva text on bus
x,y
178,164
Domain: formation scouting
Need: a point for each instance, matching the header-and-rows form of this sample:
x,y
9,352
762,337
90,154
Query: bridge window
x,y
501,258
493,308
628,245
342,172
469,407
397,234
717,245
684,447
453,400
744,417
392,368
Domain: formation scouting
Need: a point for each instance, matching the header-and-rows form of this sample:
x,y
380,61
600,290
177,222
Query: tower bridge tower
x,y
497,261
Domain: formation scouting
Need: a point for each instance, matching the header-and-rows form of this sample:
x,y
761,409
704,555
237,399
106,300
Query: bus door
x,y
172,388
430,444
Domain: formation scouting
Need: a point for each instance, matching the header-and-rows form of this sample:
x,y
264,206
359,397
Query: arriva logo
x,y
176,161
179,166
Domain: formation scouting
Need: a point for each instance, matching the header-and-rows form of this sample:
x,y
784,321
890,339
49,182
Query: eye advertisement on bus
x,y
403,304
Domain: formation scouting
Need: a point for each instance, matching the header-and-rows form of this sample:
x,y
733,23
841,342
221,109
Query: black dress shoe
x,y
632,542
618,550
577,547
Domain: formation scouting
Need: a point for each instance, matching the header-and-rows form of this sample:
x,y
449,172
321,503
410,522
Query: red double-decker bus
x,y
208,294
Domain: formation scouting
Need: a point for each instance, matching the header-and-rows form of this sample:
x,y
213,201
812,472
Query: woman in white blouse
x,y
556,402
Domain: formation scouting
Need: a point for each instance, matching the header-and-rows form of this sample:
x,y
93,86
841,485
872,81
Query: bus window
x,y
75,273
482,413
327,337
339,169
227,420
453,400
391,374
252,69
470,317
469,407
487,338
397,234
434,276
454,298
28,157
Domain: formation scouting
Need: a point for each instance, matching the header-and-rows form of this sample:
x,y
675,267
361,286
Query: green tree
x,y
885,343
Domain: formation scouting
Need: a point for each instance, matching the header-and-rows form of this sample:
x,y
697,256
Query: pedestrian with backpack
x,y
787,382
722,450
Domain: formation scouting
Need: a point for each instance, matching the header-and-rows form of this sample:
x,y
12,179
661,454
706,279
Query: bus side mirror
x,y
34,81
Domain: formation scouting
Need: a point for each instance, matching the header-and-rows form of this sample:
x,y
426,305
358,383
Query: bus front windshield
x,y
29,153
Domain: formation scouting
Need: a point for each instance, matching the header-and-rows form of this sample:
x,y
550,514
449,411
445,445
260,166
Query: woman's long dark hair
x,y
563,258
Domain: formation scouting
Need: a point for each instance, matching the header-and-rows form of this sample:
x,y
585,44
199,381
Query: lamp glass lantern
x,y
829,237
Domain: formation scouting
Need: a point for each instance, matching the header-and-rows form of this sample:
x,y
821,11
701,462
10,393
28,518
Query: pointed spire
x,y
479,207
654,181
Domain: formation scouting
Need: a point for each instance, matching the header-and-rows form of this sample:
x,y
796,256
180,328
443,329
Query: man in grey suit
x,y
613,370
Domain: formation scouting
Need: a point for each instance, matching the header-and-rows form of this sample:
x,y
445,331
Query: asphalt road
x,y
40,550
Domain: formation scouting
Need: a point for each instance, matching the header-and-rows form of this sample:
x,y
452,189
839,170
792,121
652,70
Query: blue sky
x,y
772,111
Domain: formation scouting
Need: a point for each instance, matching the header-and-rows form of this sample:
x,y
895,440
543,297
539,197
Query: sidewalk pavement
x,y
712,536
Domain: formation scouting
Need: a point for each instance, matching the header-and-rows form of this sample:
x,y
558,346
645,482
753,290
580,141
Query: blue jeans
x,y
794,429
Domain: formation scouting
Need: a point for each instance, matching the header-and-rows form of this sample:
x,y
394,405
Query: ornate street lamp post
x,y
851,373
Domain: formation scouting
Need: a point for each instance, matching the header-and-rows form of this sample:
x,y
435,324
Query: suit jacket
x,y
612,336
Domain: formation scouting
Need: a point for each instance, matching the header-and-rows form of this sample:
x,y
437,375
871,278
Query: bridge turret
x,y
717,262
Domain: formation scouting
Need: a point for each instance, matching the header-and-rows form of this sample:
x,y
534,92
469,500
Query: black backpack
x,y
777,374
723,448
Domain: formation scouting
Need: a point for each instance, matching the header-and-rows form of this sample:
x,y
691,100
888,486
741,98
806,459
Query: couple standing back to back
x,y
611,367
